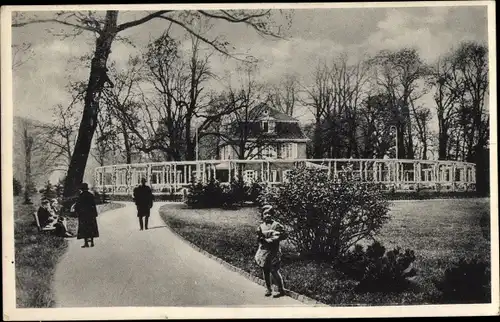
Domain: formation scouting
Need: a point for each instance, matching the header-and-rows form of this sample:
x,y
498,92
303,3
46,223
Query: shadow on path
x,y
156,227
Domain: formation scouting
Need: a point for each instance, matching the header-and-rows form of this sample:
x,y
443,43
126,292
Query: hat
x,y
84,186
44,201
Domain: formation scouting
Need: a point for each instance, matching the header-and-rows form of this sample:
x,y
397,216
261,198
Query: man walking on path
x,y
143,197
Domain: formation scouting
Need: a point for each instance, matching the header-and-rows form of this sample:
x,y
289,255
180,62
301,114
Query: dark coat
x,y
43,216
143,197
86,211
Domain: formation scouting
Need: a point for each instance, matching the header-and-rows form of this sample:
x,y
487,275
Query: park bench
x,y
40,228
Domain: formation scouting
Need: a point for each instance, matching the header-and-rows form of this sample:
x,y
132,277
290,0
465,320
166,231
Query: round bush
x,y
327,216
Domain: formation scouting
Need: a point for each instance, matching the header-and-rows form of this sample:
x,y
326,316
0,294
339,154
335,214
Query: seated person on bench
x,y
48,219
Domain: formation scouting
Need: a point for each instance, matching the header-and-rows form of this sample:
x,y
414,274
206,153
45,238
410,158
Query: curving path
x,y
129,267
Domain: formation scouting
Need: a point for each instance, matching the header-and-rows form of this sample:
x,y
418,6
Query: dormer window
x,y
264,125
267,126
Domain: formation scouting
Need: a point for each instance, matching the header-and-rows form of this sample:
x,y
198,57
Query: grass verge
x,y
439,231
36,255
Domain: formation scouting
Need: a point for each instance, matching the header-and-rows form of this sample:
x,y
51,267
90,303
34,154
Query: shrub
x,y
209,195
254,191
378,270
468,281
18,187
215,195
326,217
230,193
196,196
236,193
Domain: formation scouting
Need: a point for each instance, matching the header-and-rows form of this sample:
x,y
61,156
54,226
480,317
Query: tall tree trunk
x,y
190,144
353,144
410,152
88,123
217,143
28,148
424,152
126,141
401,142
318,141
443,139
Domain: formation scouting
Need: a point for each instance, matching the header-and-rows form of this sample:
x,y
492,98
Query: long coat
x,y
143,197
43,216
86,211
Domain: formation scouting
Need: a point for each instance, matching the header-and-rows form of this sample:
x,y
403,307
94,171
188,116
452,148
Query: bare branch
x,y
62,22
137,22
212,43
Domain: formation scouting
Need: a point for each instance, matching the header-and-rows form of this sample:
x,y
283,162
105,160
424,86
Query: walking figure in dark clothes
x,y
143,197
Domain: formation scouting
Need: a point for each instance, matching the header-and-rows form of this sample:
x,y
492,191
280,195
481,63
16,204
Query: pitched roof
x,y
258,113
283,130
286,127
289,131
280,116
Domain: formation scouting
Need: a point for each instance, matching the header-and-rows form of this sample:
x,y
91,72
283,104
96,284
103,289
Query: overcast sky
x,y
39,84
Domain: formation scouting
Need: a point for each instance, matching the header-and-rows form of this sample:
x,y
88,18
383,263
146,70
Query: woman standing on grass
x,y
268,255
86,211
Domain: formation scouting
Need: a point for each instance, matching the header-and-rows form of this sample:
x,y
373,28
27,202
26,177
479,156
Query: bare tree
x,y
121,105
180,100
37,163
337,91
348,81
375,119
28,151
247,103
60,136
319,101
448,90
174,87
107,137
284,96
401,74
21,53
107,30
460,80
471,60
422,116
179,84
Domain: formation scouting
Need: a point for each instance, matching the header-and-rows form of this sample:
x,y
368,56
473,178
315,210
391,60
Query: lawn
x,y
439,231
36,256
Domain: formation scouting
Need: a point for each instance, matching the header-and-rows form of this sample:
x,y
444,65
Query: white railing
x,y
175,177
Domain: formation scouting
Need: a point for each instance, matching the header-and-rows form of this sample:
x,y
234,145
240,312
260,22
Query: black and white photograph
x,y
249,160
